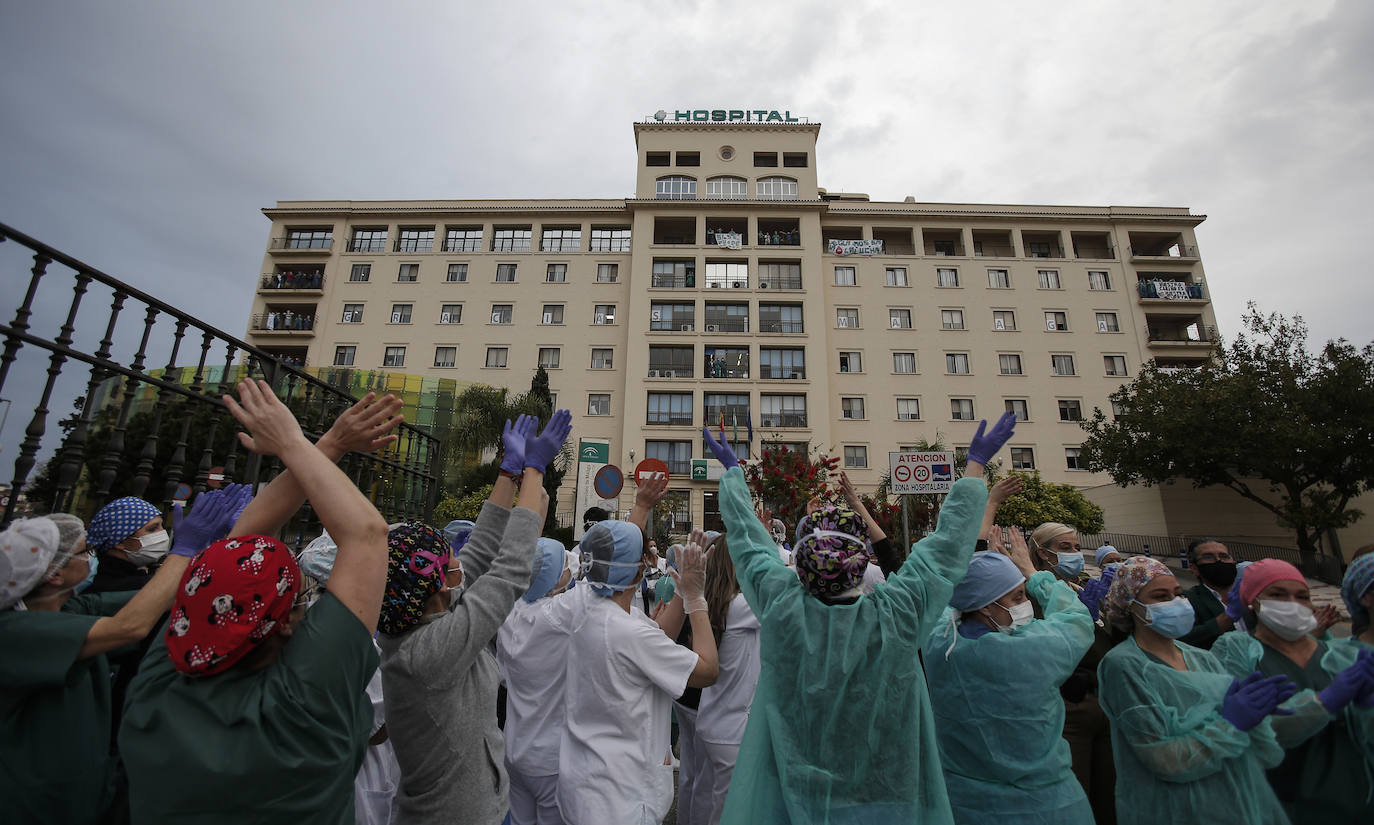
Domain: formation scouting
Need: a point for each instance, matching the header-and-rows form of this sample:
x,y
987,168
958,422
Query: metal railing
x,y
1205,335
1170,251
143,431
779,282
1171,290
302,243
293,280
367,245
282,322
659,281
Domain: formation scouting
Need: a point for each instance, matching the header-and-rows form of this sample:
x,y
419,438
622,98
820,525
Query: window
x,y
1073,458
782,364
360,273
1061,364
765,159
1070,410
368,240
551,314
673,408
1098,280
1056,321
676,454
505,273
556,274
408,273
674,274
1022,458
603,358
309,238
672,317
904,363
496,357
947,277
956,363
1106,322
785,318
549,357
445,356
676,188
679,506
598,403
855,457
603,314
1115,364
852,408
726,362
1018,408
566,239
415,239
779,275
776,189
502,313
658,158
511,239
352,314
688,158
908,409
847,318
851,362
899,318
457,274
999,279
400,313
951,319
722,317
783,410
727,274
961,409
1118,409
343,356
671,362
451,313
727,186
794,159
607,273
1049,278
394,357
896,276
1003,319
610,240
732,408
463,239
944,248
845,276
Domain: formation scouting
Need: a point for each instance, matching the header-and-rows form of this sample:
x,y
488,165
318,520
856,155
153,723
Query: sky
x,y
145,137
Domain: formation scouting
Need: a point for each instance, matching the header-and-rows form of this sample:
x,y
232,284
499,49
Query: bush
x,y
467,506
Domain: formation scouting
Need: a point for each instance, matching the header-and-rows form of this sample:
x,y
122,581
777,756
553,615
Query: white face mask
x,y
152,548
1290,621
1021,615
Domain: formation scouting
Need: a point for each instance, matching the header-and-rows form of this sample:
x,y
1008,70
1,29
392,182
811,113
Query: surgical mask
x,y
1069,564
93,562
588,562
1172,619
1219,574
1021,615
1110,566
1289,620
152,548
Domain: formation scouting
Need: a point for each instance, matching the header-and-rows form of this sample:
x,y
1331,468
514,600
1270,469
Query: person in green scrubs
x,y
263,716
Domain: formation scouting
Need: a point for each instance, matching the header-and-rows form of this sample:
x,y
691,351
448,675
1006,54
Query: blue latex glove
x,y
1249,700
1365,700
983,447
720,449
1351,683
541,449
513,438
215,512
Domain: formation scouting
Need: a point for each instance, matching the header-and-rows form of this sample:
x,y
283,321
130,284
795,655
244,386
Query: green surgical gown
x,y
55,762
1003,751
278,745
1177,760
841,729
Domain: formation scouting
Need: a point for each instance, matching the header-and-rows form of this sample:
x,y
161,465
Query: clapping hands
x,y
689,579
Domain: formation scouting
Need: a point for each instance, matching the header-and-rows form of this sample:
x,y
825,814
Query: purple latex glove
x,y
720,449
1365,700
983,447
215,512
1249,700
1235,609
513,439
1352,683
541,449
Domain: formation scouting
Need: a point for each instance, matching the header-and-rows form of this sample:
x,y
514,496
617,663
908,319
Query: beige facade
x,y
653,317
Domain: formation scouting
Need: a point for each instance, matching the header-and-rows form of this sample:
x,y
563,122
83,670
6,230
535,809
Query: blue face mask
x,y
1172,618
1069,564
94,564
1110,566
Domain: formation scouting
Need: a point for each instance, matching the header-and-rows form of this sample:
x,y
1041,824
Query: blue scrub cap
x,y
118,520
1104,551
1359,577
317,559
550,560
458,532
612,551
990,576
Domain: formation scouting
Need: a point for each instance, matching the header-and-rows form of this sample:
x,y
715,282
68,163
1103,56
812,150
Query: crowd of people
x,y
287,320
480,673
291,279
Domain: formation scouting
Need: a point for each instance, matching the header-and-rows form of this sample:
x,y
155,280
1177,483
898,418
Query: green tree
x,y
1040,501
1264,408
467,506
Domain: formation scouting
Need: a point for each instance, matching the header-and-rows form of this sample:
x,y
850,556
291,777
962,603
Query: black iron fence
x,y
151,431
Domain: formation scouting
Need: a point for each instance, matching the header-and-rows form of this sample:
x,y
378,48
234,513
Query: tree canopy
x,y
1041,501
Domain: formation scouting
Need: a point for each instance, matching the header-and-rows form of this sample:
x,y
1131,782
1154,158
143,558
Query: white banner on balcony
x,y
1172,290
729,240
853,247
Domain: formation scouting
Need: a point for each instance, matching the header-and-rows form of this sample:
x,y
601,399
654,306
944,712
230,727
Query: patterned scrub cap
x,y
1359,577
831,555
118,520
233,596
1131,577
417,557
27,548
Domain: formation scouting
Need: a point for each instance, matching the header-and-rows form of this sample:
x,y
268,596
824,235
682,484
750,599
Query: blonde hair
x,y
1043,536
721,585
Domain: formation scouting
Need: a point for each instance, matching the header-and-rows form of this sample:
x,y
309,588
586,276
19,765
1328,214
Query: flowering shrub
x,y
785,480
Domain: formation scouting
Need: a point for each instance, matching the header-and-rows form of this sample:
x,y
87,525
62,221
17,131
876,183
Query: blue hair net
x,y
458,532
613,551
1103,551
990,576
550,560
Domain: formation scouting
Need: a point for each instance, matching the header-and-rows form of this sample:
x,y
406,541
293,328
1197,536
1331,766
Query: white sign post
x,y
921,472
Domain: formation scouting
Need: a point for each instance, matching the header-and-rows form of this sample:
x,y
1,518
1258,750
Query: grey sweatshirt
x,y
439,683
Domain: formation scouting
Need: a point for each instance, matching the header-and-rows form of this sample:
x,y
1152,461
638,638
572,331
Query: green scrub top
x,y
841,729
1176,759
278,745
1004,756
55,762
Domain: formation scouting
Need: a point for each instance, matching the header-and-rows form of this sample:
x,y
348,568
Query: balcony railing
x,y
988,250
293,280
292,243
784,420
719,368
1094,253
1201,335
286,322
463,245
770,372
1174,251
788,327
780,282
791,237
1171,290
657,281
414,244
732,325
367,245
657,370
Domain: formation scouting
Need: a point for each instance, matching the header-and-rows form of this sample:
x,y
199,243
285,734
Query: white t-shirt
x,y
623,674
725,705
532,650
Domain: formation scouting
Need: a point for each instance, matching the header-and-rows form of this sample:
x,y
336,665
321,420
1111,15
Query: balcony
x,y
367,245
1042,244
993,243
726,363
1176,252
284,323
784,419
291,356
779,232
1189,336
301,244
1162,291
727,325
1092,246
301,283
780,372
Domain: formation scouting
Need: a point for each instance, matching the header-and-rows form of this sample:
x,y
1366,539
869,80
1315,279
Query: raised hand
x,y
1017,550
366,426
720,449
689,579
541,449
1327,617
215,512
851,497
1005,489
984,446
651,492
513,439
273,427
